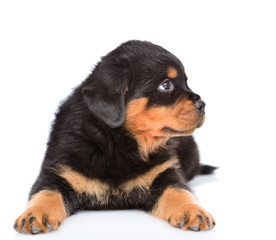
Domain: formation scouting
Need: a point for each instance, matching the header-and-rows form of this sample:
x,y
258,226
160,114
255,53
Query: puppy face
x,y
166,107
143,87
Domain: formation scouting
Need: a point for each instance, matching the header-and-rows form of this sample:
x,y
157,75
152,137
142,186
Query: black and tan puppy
x,y
123,140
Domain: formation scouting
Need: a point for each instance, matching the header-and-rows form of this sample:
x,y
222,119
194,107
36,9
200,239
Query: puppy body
x,y
122,141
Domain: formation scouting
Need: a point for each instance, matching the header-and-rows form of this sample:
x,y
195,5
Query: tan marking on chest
x,y
82,184
145,180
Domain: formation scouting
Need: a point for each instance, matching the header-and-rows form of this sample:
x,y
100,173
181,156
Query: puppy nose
x,y
200,106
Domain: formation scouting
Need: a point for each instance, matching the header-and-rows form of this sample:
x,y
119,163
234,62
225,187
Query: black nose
x,y
200,106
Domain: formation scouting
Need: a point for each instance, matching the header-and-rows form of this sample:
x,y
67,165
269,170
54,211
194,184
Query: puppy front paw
x,y
36,220
191,217
178,207
45,213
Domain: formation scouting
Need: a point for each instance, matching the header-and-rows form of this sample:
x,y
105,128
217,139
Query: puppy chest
x,y
106,194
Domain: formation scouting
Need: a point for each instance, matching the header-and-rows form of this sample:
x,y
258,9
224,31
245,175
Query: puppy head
x,y
160,103
144,88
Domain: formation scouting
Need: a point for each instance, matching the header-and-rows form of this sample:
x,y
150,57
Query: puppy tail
x,y
206,169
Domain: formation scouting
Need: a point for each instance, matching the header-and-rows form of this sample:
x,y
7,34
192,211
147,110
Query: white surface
x,y
228,49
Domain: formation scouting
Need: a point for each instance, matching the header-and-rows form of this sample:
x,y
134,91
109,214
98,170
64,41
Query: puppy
x,y
122,140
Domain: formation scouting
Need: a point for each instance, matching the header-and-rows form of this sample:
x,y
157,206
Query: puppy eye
x,y
166,86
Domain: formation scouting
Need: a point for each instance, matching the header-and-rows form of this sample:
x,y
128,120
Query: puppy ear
x,y
104,93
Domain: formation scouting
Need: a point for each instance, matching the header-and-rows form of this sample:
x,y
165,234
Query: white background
x,y
228,50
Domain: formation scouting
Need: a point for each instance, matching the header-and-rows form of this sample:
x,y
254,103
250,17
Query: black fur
x,y
89,136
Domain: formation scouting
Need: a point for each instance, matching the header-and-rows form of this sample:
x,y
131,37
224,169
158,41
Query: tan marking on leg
x,y
172,72
82,184
171,199
145,180
179,208
45,212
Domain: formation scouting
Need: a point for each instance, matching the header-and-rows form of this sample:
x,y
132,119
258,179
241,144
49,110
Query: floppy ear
x,y
104,93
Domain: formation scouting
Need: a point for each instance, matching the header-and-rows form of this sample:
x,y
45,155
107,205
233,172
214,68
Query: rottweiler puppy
x,y
122,140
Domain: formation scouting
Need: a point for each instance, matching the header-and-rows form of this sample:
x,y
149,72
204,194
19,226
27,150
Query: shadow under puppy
x,y
122,140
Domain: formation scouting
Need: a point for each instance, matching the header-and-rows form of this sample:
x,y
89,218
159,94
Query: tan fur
x,y
145,180
178,206
146,124
44,206
50,199
170,201
172,72
82,184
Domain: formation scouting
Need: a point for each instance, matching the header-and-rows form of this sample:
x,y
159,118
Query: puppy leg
x,y
188,155
51,200
45,212
176,204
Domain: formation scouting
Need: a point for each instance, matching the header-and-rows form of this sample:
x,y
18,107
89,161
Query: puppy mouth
x,y
171,130
189,131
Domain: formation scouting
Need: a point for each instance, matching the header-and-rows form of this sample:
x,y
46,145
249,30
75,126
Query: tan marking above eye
x,y
172,72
